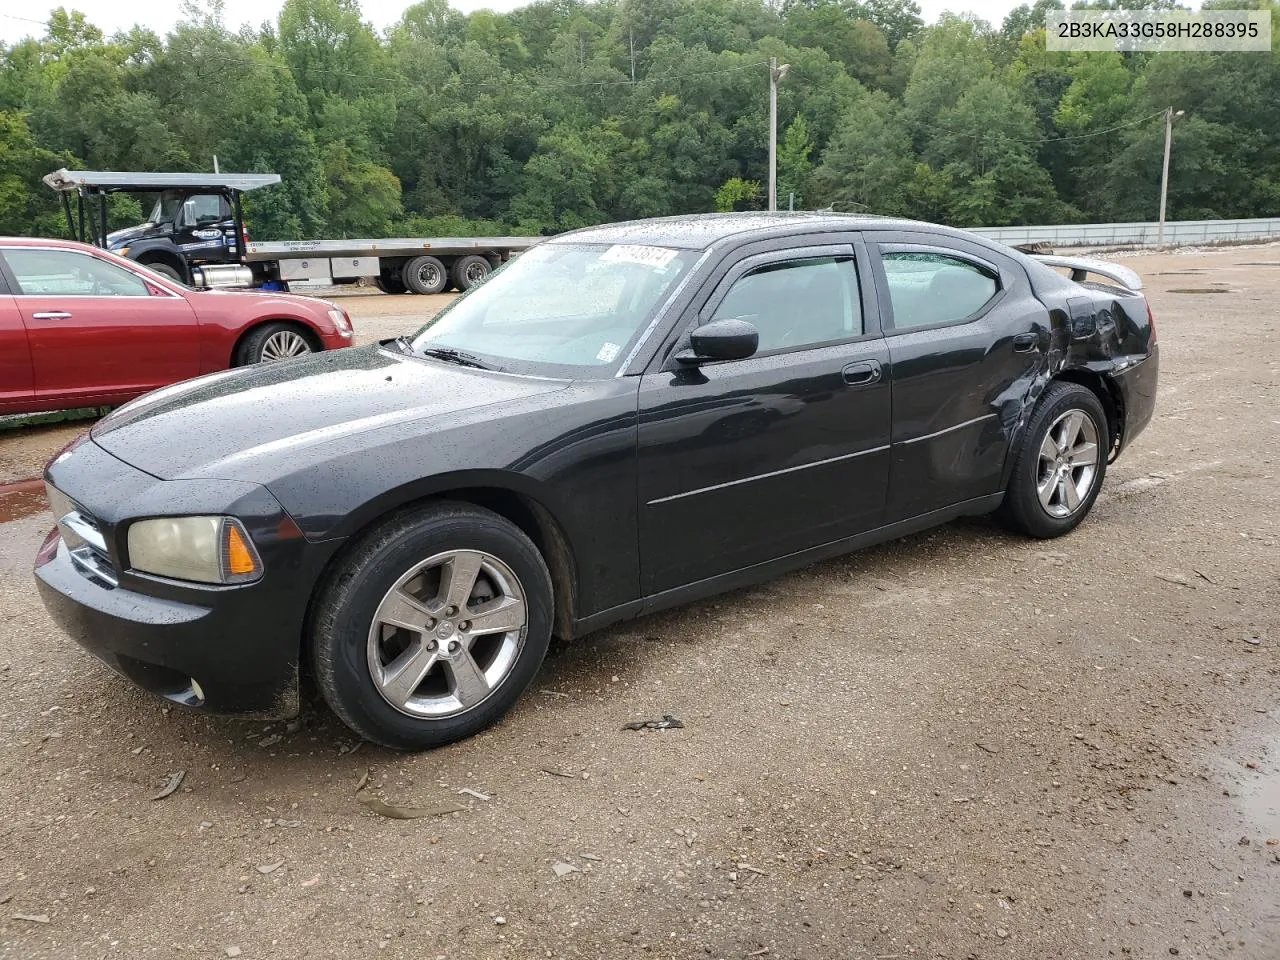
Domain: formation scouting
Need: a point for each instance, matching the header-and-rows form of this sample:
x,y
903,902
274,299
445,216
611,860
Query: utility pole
x,y
1169,117
776,73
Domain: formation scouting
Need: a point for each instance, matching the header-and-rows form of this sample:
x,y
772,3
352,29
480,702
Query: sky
x,y
161,15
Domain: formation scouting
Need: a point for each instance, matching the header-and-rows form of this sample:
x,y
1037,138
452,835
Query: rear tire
x,y
273,341
391,282
1061,463
468,271
425,275
400,658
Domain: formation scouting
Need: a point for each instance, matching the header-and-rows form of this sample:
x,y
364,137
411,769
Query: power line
x,y
1095,133
10,16
502,84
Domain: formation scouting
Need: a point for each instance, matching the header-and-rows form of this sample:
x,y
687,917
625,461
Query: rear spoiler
x,y
1081,267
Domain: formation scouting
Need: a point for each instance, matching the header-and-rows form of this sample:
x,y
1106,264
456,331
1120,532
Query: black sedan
x,y
624,418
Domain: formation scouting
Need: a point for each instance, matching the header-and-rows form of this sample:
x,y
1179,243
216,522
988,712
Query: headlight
x,y
341,321
121,251
204,549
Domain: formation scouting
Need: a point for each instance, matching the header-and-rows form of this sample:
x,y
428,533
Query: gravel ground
x,y
963,744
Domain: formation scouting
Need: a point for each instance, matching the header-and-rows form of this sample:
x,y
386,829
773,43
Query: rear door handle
x,y
1026,343
51,315
862,373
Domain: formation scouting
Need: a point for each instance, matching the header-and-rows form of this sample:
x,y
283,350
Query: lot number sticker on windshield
x,y
608,352
634,253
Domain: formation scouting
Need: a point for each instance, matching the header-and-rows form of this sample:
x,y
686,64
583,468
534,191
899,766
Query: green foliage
x,y
24,211
737,194
794,163
363,197
564,113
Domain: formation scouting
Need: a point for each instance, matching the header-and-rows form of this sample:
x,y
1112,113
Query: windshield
x,y
559,310
167,207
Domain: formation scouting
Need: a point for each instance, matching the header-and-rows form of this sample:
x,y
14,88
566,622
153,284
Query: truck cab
x,y
194,233
184,229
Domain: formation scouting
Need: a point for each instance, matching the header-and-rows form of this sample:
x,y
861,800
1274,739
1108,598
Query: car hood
x,y
117,238
253,422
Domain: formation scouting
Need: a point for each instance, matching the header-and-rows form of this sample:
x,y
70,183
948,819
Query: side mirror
x,y
721,340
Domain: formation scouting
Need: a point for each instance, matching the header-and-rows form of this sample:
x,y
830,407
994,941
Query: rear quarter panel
x,y
1105,330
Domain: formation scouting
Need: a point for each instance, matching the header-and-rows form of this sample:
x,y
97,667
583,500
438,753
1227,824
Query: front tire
x,y
1060,464
166,271
429,631
273,341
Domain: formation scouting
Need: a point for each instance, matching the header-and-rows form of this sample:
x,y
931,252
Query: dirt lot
x,y
963,744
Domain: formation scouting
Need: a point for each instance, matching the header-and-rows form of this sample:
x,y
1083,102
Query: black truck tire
x,y
390,281
468,271
425,275
165,271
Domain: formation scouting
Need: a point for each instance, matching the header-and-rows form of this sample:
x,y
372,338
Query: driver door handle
x,y
861,374
51,315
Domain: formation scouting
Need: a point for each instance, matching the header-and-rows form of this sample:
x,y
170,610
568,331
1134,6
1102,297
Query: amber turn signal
x,y
241,560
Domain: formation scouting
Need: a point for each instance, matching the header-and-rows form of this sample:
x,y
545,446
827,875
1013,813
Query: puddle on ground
x,y
24,521
1259,799
20,500
1251,774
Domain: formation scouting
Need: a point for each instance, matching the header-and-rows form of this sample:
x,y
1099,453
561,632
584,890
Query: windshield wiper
x,y
450,355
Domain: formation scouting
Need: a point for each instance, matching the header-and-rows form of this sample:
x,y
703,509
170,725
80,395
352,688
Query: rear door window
x,y
927,289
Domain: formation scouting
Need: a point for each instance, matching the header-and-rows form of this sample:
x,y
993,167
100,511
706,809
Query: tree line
x,y
566,113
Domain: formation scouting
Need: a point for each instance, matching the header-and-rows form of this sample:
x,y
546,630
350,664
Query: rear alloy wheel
x,y
1060,465
271,342
469,271
433,627
425,275
1068,464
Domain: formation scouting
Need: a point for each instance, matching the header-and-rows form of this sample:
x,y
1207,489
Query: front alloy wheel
x,y
270,342
447,634
284,345
431,626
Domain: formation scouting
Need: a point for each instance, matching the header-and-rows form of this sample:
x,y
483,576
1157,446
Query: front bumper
x,y
201,655
226,649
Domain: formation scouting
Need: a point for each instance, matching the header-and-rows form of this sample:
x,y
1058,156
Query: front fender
x,y
440,485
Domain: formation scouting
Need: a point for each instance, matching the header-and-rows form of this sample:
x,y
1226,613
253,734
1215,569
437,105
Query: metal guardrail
x,y
1140,234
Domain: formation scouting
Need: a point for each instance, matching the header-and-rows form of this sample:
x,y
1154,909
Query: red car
x,y
80,327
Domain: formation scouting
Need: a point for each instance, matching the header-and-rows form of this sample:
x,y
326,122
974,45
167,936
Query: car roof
x,y
47,242
699,231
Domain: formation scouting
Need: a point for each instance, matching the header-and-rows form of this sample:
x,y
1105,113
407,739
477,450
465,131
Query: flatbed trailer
x,y
196,233
396,265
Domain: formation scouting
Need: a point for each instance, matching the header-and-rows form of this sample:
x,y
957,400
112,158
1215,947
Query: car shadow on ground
x,y
229,751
